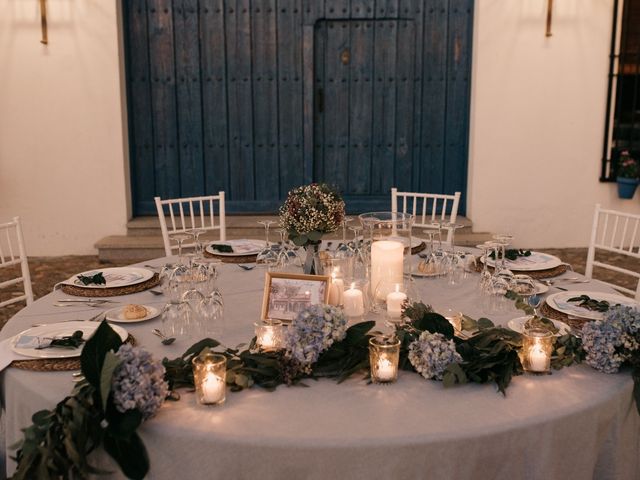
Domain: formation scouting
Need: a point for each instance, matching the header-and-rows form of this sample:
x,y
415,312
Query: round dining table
x,y
576,423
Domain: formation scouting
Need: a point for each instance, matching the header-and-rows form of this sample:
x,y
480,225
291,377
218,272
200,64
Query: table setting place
x,y
387,308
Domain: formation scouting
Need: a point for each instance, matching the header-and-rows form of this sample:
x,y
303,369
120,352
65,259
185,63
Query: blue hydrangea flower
x,y
432,353
313,331
138,382
610,342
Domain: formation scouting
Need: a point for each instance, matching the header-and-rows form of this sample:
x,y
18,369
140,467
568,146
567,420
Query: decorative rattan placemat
x,y
55,364
234,259
113,291
536,274
549,312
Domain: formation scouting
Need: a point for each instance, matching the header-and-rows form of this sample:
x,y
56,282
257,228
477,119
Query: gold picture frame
x,y
286,294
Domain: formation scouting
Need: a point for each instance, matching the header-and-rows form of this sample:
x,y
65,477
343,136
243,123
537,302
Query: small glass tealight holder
x,y
269,334
384,355
355,299
537,346
209,377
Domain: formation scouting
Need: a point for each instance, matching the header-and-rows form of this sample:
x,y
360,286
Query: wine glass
x,y
267,257
195,233
179,238
485,275
503,239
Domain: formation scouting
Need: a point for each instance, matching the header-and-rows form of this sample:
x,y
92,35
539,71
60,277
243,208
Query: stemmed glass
x,y
360,253
179,238
195,233
267,256
503,240
485,275
525,286
429,262
344,246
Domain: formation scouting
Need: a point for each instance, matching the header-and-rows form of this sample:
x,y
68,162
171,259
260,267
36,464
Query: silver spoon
x,y
165,340
246,267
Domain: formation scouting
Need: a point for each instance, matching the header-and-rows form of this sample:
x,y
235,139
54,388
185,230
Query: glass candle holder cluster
x,y
209,377
384,355
537,346
269,334
389,235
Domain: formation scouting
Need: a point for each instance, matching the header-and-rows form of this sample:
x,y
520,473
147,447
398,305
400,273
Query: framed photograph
x,y
286,294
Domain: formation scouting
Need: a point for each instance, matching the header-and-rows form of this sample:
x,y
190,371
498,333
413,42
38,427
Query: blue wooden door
x,y
255,97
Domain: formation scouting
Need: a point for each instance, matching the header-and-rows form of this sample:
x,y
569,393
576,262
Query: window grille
x,y
622,127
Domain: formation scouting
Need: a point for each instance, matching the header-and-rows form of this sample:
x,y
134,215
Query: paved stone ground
x,y
47,271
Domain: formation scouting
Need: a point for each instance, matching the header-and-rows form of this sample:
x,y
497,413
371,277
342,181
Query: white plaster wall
x,y
537,120
62,165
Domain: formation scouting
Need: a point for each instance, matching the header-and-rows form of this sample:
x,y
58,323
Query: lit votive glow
x,y
537,346
209,375
268,334
384,355
386,264
353,302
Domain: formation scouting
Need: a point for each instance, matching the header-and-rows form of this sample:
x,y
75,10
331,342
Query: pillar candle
x,y
386,264
353,301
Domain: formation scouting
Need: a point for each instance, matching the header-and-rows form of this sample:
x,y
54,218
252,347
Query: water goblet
x,y
179,238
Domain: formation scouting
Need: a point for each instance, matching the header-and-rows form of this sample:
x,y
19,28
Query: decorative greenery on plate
x,y
511,254
585,301
69,341
96,279
222,248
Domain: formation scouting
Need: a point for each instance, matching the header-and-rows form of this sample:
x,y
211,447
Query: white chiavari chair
x,y
188,213
619,233
12,255
427,208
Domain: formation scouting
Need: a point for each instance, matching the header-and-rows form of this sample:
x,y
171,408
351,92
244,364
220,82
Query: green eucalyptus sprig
x,y
97,279
511,254
585,301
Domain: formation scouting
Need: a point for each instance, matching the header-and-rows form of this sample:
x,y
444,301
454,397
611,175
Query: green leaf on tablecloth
x,y
130,454
434,323
357,334
454,374
111,362
93,354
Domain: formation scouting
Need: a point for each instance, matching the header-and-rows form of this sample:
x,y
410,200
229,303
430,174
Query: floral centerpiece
x,y
308,213
628,174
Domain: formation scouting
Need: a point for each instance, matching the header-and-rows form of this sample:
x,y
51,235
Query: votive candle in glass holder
x,y
269,334
537,346
209,377
384,355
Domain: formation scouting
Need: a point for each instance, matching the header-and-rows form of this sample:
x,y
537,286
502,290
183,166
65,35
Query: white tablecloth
x,y
576,423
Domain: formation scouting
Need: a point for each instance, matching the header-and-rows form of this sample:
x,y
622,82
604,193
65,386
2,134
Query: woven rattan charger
x,y
111,291
55,364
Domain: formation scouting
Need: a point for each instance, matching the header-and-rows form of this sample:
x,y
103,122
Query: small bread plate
x,y
517,325
57,330
117,314
241,247
560,302
534,262
114,277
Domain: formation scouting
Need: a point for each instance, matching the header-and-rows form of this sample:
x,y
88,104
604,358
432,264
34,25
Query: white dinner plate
x,y
58,330
559,301
117,315
536,261
517,325
241,247
114,276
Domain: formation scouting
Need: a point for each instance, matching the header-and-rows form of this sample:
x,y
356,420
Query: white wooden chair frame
x,y
425,218
183,217
615,232
12,252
